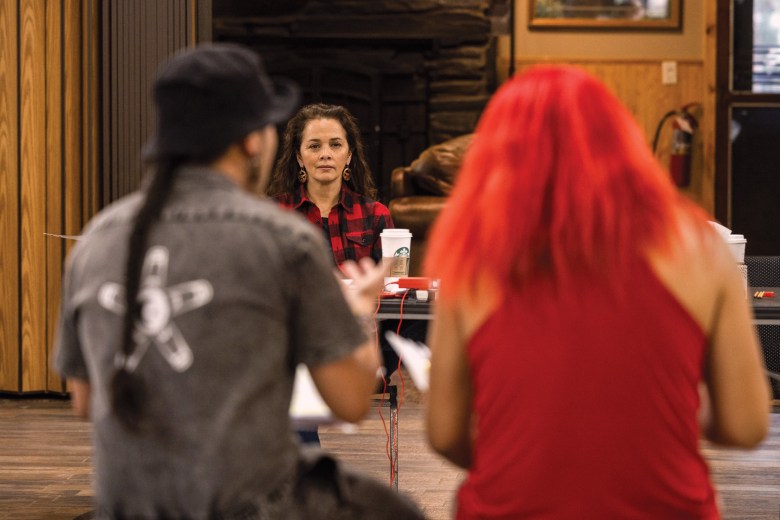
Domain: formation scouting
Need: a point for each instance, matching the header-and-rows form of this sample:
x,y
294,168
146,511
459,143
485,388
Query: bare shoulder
x,y
697,268
472,312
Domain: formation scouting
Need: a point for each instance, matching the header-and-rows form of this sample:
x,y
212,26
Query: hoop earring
x,y
302,176
347,173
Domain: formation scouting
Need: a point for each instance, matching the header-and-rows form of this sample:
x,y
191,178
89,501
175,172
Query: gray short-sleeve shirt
x,y
236,292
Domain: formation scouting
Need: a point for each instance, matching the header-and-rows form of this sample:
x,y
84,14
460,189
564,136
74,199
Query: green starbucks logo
x,y
402,251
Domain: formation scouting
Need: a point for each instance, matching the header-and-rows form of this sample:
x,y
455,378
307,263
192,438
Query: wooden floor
x,y
45,464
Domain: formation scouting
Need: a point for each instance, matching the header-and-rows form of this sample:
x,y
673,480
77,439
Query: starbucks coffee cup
x,y
737,245
396,247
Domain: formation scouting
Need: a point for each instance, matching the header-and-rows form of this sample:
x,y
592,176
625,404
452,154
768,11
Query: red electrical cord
x,y
384,388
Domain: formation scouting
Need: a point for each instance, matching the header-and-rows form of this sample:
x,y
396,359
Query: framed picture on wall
x,y
605,14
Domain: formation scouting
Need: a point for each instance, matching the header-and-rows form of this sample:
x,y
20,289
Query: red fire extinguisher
x,y
684,127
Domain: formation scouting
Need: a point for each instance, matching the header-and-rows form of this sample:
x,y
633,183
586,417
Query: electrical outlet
x,y
669,72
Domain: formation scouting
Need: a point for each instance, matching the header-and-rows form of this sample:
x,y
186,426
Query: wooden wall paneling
x,y
710,103
32,102
174,25
638,84
72,87
136,38
91,100
118,110
145,70
202,20
118,98
53,96
9,187
73,165
109,126
54,179
87,48
133,115
141,115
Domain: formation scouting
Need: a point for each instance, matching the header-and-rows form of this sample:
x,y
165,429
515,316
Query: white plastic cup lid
x,y
395,232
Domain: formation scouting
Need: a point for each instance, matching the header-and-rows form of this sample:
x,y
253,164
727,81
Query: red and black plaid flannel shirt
x,y
354,224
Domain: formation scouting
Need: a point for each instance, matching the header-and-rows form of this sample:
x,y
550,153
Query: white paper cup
x,y
737,245
396,250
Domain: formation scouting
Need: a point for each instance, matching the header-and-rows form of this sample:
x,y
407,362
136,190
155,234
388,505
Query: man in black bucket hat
x,y
188,305
210,96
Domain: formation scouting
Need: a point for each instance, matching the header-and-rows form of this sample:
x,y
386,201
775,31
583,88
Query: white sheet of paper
x,y
306,405
415,356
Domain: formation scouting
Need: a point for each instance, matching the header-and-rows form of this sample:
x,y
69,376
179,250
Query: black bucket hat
x,y
212,95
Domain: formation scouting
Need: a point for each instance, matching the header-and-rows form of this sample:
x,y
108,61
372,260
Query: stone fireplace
x,y
414,72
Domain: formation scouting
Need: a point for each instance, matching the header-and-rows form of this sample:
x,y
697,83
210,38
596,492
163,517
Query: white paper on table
x,y
415,356
306,405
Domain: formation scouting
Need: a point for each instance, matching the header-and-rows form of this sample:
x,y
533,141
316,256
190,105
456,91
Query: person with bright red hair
x,y
591,325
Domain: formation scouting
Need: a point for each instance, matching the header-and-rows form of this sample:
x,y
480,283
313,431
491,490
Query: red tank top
x,y
586,407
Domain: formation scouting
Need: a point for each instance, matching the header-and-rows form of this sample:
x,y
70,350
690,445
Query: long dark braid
x,y
128,394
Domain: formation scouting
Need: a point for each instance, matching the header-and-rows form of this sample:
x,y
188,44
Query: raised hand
x,y
367,281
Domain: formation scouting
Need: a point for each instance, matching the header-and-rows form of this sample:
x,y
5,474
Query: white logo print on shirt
x,y
159,305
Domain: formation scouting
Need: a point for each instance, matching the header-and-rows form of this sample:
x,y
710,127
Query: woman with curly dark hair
x,y
323,174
